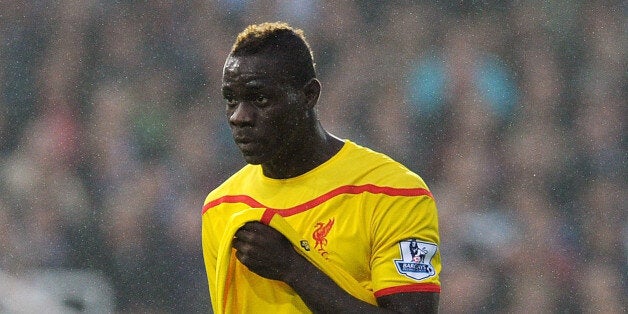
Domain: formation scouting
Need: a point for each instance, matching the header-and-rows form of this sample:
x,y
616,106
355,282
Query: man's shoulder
x,y
236,180
380,167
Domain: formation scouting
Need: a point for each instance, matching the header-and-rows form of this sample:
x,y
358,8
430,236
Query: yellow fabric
x,y
226,264
360,211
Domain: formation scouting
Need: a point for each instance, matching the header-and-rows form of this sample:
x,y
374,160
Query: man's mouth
x,y
242,137
245,143
243,140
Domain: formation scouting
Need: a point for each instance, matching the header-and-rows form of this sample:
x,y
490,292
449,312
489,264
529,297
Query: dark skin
x,y
275,126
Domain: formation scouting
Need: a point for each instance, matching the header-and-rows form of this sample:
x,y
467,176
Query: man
x,y
334,215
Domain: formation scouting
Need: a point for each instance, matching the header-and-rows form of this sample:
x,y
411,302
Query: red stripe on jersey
x,y
417,287
353,189
267,216
346,189
245,199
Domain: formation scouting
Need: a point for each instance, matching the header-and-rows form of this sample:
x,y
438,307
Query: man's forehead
x,y
253,63
255,67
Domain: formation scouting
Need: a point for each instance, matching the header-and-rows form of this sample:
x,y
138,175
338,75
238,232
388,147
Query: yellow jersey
x,y
360,210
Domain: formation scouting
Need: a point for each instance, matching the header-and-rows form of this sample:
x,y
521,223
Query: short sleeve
x,y
405,252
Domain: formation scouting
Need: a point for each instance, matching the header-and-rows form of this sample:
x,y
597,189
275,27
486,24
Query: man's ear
x,y
312,90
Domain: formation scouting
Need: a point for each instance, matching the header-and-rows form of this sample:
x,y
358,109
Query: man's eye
x,y
230,100
261,100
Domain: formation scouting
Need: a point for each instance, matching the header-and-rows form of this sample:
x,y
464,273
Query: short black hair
x,y
279,40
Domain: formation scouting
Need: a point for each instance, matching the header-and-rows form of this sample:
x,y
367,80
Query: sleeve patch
x,y
416,259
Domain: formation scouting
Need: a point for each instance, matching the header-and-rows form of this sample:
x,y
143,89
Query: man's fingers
x,y
252,226
243,249
258,227
242,257
245,255
245,234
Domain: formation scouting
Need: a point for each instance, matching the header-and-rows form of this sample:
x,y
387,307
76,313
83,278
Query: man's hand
x,y
265,251
269,254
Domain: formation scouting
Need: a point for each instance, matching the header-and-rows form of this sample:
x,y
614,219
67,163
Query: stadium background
x,y
112,132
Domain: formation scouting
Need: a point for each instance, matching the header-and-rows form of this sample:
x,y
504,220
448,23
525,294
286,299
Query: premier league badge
x,y
416,259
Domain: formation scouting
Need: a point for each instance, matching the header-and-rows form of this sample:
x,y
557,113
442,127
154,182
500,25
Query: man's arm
x,y
322,295
269,254
411,302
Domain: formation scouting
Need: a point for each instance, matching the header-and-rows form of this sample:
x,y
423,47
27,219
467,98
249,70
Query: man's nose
x,y
242,115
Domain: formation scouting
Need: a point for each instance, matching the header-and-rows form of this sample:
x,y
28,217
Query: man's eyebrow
x,y
254,84
257,83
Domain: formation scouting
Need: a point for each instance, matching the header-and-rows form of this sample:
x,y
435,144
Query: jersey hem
x,y
419,287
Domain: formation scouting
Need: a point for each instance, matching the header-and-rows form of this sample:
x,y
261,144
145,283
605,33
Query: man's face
x,y
264,110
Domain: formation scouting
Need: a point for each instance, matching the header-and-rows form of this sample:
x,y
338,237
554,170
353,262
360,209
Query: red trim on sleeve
x,y
417,287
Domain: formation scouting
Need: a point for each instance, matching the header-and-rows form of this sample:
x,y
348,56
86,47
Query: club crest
x,y
416,259
320,236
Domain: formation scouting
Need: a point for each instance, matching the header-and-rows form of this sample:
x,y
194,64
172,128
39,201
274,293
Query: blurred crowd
x,y
112,132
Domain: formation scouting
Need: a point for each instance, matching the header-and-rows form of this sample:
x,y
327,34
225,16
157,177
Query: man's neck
x,y
313,151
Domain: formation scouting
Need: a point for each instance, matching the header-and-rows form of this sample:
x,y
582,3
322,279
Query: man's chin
x,y
253,159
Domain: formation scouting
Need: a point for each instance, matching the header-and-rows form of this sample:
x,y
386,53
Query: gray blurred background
x,y
112,133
